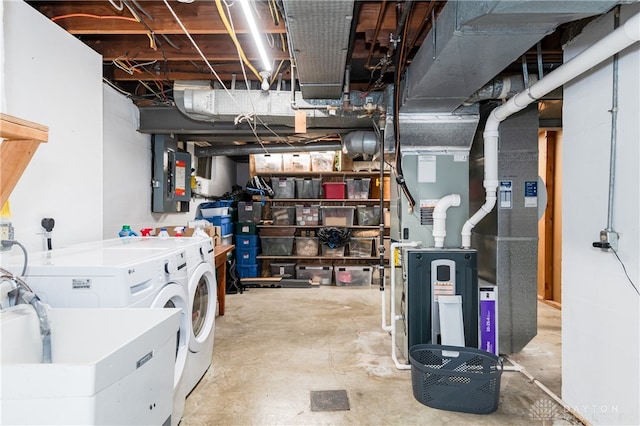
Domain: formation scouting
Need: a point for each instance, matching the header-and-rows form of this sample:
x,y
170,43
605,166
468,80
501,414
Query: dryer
x,y
202,293
109,274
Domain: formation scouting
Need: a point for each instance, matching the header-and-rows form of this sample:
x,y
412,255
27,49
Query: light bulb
x,y
265,80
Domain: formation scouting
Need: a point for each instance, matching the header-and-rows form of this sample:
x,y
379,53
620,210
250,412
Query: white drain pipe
x,y
394,317
440,217
604,48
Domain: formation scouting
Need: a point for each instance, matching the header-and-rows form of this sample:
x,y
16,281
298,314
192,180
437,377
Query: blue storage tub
x,y
247,241
224,222
248,271
247,256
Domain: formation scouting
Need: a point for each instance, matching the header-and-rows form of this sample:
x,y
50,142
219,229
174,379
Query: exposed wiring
x,y
625,270
232,34
118,8
141,9
88,15
172,44
11,243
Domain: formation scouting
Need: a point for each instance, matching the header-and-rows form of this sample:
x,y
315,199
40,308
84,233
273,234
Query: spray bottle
x,y
179,230
163,233
199,226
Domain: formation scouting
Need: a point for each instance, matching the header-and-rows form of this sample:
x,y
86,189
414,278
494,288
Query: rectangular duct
x,y
473,41
319,38
507,238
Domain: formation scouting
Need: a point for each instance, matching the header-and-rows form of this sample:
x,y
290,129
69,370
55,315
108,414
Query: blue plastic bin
x,y
224,222
247,241
248,271
247,256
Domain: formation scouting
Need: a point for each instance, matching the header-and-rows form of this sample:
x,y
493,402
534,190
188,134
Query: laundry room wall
x,y
60,88
600,309
94,173
127,172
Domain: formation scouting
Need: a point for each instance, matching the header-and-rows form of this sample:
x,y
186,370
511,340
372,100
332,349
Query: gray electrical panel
x,y
171,176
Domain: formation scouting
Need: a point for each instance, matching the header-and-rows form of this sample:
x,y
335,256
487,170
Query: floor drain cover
x,y
330,400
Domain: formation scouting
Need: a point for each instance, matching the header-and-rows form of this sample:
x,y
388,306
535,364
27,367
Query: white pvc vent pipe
x,y
440,217
604,48
394,317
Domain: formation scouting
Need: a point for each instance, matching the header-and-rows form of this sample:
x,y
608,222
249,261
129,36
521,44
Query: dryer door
x,y
173,295
203,298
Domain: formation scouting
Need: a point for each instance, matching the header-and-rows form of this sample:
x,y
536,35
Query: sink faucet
x,y
22,293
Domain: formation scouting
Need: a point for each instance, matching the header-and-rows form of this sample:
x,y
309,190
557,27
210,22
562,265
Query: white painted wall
x,y
600,310
90,177
53,79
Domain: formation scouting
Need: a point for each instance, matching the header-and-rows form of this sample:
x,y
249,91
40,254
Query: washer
x,y
110,274
202,292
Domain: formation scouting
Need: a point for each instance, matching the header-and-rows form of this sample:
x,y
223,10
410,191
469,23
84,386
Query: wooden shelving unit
x,y
21,139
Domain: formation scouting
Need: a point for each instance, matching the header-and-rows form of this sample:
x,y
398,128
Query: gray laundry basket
x,y
455,378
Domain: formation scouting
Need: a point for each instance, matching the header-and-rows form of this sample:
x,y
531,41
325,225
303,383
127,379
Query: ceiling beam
x,y
198,17
215,48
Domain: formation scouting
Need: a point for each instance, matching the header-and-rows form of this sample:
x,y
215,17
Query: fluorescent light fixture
x,y
246,8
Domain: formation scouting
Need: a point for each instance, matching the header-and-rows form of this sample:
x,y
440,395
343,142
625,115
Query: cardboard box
x,y
212,231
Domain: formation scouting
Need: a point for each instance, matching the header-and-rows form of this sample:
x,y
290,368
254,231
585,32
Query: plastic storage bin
x,y
368,215
267,163
247,241
337,215
307,246
285,270
284,187
307,215
247,256
276,246
334,190
213,211
358,188
283,215
224,222
246,228
353,275
299,162
332,252
226,240
249,211
455,378
316,273
375,188
322,161
360,247
248,271
308,188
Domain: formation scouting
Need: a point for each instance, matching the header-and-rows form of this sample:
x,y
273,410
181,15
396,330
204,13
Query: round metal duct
x,y
359,142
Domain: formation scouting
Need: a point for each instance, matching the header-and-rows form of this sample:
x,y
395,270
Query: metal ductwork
x,y
427,130
318,34
232,150
473,41
198,101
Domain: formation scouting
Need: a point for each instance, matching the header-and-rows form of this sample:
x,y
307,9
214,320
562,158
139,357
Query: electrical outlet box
x,y
609,237
6,233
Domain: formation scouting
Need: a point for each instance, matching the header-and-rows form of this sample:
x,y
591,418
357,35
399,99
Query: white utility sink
x,y
109,366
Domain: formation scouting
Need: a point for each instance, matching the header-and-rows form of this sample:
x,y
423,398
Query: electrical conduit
x,y
393,316
604,48
440,217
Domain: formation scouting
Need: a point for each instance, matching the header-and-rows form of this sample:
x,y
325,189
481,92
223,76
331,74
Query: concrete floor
x,y
274,346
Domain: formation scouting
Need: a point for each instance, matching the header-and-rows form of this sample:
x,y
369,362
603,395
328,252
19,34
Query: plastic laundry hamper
x,y
455,378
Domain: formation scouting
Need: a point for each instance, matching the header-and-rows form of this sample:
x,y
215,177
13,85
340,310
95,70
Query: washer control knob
x,y
170,267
